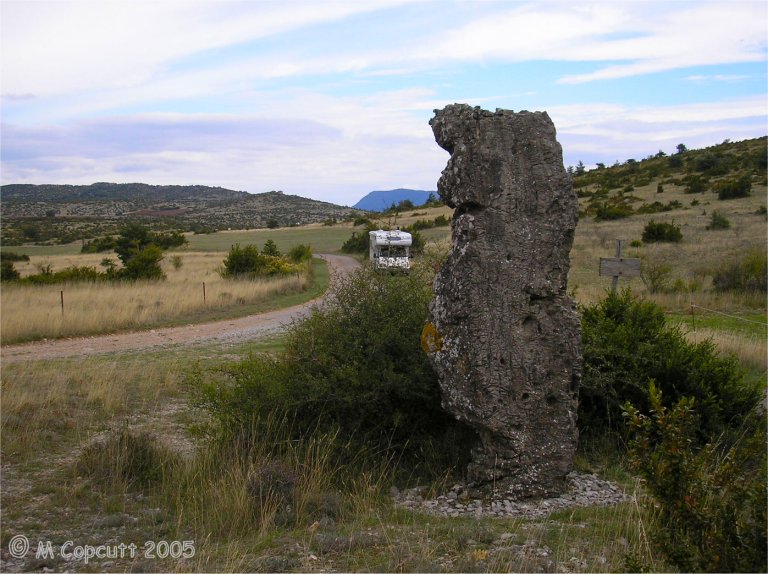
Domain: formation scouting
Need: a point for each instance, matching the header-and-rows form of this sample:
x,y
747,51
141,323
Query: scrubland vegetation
x,y
279,455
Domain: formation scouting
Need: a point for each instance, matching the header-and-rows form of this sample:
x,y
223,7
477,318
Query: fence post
x,y
62,302
203,292
693,317
615,280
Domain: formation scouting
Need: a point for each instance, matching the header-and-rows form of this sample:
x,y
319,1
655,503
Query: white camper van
x,y
390,250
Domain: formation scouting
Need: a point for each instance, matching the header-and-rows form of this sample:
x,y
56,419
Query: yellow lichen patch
x,y
431,340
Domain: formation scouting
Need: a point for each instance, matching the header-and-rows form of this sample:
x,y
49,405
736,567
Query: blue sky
x,y
330,100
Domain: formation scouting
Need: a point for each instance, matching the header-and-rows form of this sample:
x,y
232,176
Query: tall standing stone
x,y
506,338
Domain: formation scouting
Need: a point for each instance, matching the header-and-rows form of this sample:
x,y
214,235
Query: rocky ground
x,y
583,490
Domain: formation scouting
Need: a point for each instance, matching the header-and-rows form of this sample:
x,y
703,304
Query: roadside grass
x,y
32,312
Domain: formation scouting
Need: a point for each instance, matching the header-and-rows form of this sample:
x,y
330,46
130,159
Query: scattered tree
x,y
270,249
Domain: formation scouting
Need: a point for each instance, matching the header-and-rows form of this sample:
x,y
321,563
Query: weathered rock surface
x,y
506,341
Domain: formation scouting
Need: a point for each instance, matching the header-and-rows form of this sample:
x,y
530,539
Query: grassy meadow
x,y
193,292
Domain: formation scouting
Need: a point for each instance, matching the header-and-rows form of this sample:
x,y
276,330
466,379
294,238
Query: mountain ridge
x,y
382,200
74,212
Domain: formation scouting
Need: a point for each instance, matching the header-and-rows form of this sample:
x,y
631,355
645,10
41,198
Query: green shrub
x,y
734,187
168,240
359,242
299,253
657,231
99,245
626,342
270,249
711,500
420,224
143,264
658,207
746,274
442,221
354,366
718,221
695,184
711,163
7,271
610,209
141,251
249,262
242,260
11,256
72,274
417,245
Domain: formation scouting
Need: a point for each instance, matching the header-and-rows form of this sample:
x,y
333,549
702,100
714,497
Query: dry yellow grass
x,y
751,351
45,403
34,311
694,259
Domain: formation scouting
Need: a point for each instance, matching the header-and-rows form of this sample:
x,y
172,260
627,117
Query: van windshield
x,y
392,251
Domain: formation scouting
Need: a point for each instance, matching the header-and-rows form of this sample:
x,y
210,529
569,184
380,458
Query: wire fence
x,y
694,306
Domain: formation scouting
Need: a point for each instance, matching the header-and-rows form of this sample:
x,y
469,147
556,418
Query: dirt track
x,y
231,330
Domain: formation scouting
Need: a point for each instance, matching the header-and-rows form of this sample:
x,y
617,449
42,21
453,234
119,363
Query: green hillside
x,y
50,214
729,170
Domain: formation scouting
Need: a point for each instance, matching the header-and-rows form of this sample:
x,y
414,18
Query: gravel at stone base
x,y
583,490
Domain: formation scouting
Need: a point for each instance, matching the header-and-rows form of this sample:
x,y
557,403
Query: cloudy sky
x,y
330,100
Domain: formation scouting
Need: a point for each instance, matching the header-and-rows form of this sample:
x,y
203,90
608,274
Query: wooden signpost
x,y
619,266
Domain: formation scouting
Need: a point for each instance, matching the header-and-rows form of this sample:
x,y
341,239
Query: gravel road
x,y
231,330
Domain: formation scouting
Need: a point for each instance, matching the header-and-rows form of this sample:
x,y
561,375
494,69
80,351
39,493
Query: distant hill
x,y
723,171
383,200
41,213
104,191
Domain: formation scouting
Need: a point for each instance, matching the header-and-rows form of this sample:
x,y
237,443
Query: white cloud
x,y
609,132
55,47
641,37
130,48
680,35
718,78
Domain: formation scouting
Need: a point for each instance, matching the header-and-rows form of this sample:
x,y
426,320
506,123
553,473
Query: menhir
x,y
506,340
